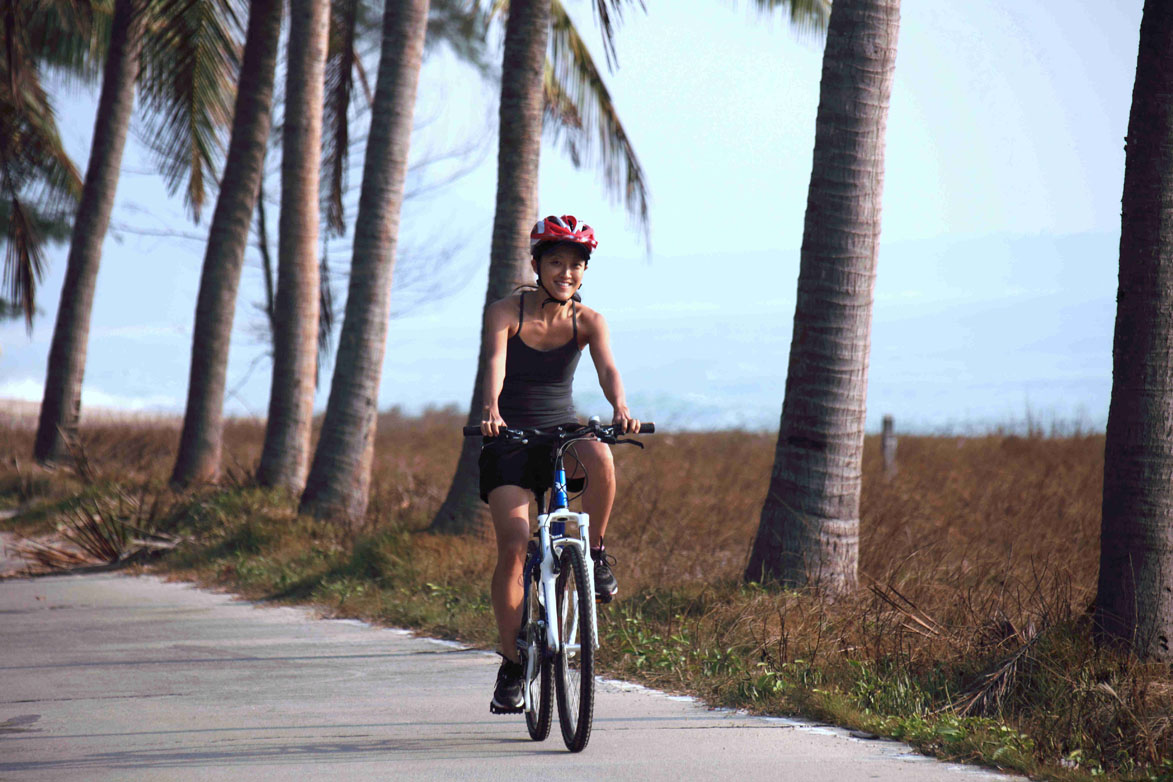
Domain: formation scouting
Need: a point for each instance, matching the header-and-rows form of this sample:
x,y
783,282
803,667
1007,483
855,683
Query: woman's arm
x,y
599,340
497,320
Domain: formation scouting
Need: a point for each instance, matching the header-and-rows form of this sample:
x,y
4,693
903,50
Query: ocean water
x,y
968,335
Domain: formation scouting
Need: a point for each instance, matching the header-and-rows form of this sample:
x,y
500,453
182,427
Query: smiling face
x,y
560,270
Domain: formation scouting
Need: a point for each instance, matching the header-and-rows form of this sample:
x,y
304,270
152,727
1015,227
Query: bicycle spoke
x,y
574,667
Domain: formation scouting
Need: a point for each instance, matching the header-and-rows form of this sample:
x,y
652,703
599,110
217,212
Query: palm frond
x,y
23,261
560,110
31,151
341,58
39,34
988,694
191,55
39,184
325,315
266,262
69,35
16,58
573,80
102,530
806,16
463,27
37,202
607,13
52,223
10,310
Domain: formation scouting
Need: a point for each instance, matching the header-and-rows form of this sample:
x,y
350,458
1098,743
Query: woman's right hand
x,y
491,421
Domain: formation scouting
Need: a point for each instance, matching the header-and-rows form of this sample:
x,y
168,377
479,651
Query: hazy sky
x,y
997,272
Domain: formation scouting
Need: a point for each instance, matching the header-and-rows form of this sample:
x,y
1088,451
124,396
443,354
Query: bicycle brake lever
x,y
629,442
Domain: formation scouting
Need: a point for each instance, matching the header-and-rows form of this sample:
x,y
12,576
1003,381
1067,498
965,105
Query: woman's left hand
x,y
624,421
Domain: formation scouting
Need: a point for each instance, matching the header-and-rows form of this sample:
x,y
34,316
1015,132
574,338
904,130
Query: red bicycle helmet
x,y
557,230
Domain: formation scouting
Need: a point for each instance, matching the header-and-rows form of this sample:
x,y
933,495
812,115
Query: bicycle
x,y
560,645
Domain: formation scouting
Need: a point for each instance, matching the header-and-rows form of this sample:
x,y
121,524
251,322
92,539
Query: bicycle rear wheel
x,y
541,696
574,666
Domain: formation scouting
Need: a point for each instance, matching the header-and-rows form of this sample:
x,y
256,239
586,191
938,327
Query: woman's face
x,y
560,269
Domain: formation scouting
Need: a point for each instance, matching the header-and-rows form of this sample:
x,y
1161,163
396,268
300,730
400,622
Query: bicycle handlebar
x,y
606,431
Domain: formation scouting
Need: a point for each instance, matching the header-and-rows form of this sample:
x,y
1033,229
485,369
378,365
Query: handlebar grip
x,y
472,431
647,427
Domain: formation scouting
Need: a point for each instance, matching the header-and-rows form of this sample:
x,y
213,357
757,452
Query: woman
x,y
534,340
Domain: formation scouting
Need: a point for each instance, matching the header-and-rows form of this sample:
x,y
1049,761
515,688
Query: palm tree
x,y
183,53
354,24
286,454
580,114
60,407
1134,601
198,460
340,473
809,529
531,88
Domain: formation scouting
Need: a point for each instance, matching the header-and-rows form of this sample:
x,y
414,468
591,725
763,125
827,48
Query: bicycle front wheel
x,y
537,717
574,667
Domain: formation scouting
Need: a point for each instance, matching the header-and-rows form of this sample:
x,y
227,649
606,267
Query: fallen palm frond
x,y
916,620
988,694
101,530
47,556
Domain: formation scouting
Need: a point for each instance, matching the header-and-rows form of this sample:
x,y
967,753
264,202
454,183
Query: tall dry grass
x,y
970,635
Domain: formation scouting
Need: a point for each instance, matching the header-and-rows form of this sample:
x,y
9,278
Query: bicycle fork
x,y
554,545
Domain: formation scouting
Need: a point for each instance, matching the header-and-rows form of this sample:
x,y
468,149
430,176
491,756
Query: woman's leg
x,y
600,490
509,506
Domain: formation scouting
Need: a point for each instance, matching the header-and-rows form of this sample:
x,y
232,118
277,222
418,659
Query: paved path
x,y
111,677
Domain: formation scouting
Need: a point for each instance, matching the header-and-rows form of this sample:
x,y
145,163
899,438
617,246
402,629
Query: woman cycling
x,y
534,340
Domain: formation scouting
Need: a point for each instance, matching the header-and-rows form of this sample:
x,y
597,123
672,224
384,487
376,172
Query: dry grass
x,y
970,635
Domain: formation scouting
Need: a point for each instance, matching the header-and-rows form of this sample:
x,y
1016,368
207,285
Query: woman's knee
x,y
597,459
512,539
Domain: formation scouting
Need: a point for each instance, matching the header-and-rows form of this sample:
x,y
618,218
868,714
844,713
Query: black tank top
x,y
537,388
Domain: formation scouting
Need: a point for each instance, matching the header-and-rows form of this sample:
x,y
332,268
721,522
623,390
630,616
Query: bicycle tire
x,y
537,719
574,666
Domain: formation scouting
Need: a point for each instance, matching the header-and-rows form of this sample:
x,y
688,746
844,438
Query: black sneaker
x,y
606,587
507,696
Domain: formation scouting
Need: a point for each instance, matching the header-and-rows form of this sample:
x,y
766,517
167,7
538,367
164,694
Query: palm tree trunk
x,y
340,475
809,529
199,446
518,151
286,455
1134,602
61,404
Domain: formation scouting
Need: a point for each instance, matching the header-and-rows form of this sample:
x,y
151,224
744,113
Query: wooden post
x,y
888,446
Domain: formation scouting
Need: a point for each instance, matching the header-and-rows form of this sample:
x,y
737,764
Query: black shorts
x,y
506,463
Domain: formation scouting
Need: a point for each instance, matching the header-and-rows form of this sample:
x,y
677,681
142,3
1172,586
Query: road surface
x,y
113,677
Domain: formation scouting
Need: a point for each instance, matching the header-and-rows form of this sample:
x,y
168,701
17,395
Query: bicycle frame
x,y
552,540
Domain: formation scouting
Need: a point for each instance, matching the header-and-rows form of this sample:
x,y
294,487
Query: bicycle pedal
x,y
605,597
495,709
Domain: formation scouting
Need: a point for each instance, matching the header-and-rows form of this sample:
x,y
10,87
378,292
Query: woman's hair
x,y
541,248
